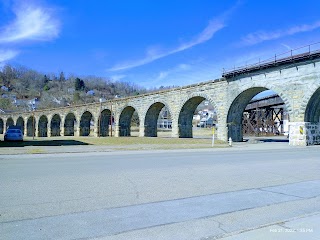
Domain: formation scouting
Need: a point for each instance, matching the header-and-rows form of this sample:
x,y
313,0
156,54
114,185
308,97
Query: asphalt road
x,y
189,194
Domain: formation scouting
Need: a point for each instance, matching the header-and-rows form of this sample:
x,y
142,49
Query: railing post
x,y
309,50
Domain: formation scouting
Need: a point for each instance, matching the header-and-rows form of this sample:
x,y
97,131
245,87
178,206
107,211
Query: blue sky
x,y
152,43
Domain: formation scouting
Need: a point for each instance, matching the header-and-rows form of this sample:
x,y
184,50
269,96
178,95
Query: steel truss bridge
x,y
265,116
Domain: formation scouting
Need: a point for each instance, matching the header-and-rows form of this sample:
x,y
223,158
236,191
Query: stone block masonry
x,y
297,83
304,133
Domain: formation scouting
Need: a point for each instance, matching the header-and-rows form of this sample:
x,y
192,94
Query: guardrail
x,y
298,54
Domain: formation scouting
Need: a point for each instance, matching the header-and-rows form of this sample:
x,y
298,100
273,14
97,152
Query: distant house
x,y
206,122
20,102
205,118
33,103
56,100
71,90
4,88
9,96
90,93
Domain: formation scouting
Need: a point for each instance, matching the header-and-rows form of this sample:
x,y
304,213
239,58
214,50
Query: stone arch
x,y
31,126
187,111
312,108
103,122
186,114
55,124
125,121
151,118
20,123
1,125
85,123
238,105
200,94
9,122
69,123
43,126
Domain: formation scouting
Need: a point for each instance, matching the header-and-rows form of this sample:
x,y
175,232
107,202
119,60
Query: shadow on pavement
x,y
258,139
42,143
273,140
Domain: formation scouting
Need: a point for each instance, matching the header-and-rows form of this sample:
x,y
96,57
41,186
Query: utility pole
x,y
33,125
100,113
111,120
33,120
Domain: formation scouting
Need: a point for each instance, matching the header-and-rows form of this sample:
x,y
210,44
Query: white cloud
x,y
6,55
286,46
155,53
178,69
162,75
183,66
261,36
30,23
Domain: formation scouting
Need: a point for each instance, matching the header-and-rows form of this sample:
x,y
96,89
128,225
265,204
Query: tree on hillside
x,y
76,97
5,104
8,75
45,83
62,77
1,79
79,84
45,79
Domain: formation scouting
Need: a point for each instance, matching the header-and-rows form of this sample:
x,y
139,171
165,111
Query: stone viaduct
x,y
295,80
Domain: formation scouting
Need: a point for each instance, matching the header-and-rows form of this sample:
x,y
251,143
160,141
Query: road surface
x,y
188,194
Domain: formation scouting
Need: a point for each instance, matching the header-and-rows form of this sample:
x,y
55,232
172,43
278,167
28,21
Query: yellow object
x,y
301,130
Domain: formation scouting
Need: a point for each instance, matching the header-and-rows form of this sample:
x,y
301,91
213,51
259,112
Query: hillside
x,y
21,86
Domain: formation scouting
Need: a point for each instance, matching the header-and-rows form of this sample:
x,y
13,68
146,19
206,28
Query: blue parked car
x,y
13,134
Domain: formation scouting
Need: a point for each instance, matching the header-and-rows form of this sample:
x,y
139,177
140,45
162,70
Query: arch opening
x,y
55,125
196,118
257,112
157,119
129,122
69,123
103,122
20,123
10,122
31,126
86,124
43,126
312,113
1,126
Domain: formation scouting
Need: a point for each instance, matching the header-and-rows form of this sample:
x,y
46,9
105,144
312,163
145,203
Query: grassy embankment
x,y
164,141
